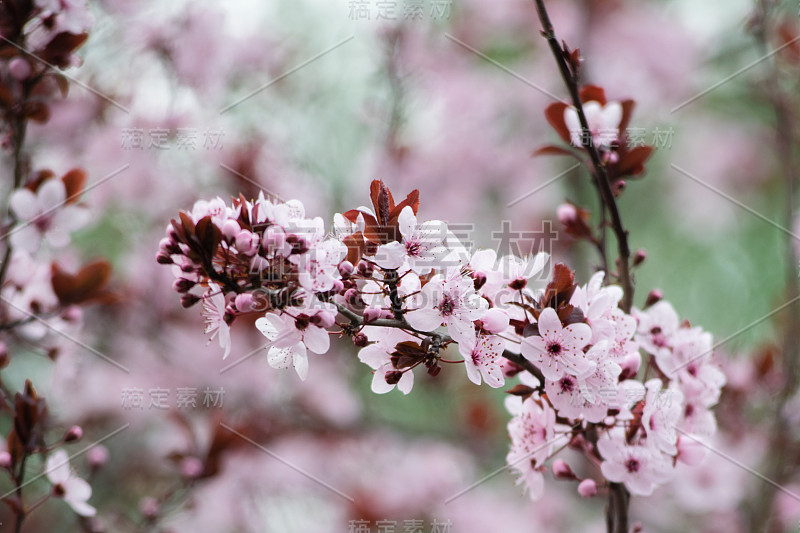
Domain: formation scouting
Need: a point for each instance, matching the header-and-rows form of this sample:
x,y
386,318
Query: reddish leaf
x,y
87,286
560,288
551,149
554,113
593,92
627,111
412,200
74,182
631,163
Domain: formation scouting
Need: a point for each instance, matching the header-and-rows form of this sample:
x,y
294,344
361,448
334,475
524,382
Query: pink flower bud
x,y
324,319
360,340
274,239
5,460
353,297
346,268
561,470
639,257
247,242
479,280
230,229
631,364
243,302
191,467
518,284
19,68
371,314
690,452
97,456
74,433
654,297
495,320
338,286
3,355
73,314
365,269
149,507
587,488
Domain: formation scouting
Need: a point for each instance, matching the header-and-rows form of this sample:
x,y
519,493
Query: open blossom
x,y
214,310
45,215
378,356
656,327
422,245
74,490
662,412
293,334
533,434
639,467
482,355
557,349
452,301
603,122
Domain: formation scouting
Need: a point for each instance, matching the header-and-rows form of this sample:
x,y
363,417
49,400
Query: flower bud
x,y
182,285
338,286
243,302
72,314
360,340
274,239
371,314
690,452
393,377
188,300
19,68
630,366
324,319
4,359
353,297
231,229
495,320
191,467
587,488
365,269
639,257
653,297
575,220
97,456
299,244
163,259
5,460
75,433
149,507
247,242
561,470
346,268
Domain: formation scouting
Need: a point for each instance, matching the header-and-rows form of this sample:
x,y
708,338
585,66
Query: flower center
x,y
566,384
413,248
554,348
632,465
447,305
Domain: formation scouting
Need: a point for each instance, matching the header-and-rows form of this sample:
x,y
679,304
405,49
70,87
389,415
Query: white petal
x,y
424,319
301,361
316,339
57,467
51,195
406,221
23,203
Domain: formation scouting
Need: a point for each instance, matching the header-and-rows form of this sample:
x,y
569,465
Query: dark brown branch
x,y
600,174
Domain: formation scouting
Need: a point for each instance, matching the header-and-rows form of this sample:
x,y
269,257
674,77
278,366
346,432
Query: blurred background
x,y
313,99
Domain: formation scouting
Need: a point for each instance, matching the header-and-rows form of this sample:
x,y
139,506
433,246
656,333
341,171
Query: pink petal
x,y
23,203
576,336
549,324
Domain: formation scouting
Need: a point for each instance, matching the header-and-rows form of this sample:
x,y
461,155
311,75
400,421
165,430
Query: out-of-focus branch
x,y
780,465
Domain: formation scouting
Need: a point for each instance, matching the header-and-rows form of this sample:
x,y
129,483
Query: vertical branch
x,y
779,467
600,175
618,498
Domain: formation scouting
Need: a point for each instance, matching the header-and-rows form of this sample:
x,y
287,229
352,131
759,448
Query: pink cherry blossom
x,y
214,309
452,301
557,349
639,467
74,490
378,357
603,121
482,356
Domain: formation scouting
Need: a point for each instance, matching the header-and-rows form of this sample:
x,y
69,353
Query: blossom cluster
x,y
411,296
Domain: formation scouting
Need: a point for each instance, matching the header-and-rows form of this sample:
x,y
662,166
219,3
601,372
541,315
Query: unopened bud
x,y
365,269
654,297
639,257
587,488
575,220
299,244
19,68
183,285
5,460
74,433
191,467
561,470
149,507
360,340
97,456
188,300
4,359
243,302
231,229
371,314
324,319
247,242
163,259
353,297
393,377
338,286
495,320
630,366
346,268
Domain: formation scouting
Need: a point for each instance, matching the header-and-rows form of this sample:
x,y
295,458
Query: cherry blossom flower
x,y
603,122
639,467
482,356
45,215
532,431
214,310
422,245
74,490
662,412
452,301
378,356
656,327
292,336
558,349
